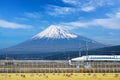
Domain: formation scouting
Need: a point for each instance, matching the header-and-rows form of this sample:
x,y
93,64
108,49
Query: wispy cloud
x,y
77,6
88,5
73,2
88,8
57,10
32,14
7,24
89,2
112,22
108,40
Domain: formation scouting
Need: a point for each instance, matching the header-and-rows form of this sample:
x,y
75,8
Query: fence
x,y
57,66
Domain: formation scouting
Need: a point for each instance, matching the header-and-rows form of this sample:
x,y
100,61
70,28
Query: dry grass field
x,y
57,70
59,76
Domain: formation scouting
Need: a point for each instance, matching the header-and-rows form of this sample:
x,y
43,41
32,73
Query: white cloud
x,y
32,14
88,5
112,22
7,24
91,5
108,40
57,10
88,8
74,2
76,6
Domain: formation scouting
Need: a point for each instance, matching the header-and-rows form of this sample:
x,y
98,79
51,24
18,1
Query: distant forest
x,y
113,50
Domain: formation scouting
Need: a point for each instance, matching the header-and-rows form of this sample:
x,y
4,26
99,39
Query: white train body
x,y
98,58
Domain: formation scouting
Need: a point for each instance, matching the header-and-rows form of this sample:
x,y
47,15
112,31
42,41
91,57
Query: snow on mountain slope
x,y
55,32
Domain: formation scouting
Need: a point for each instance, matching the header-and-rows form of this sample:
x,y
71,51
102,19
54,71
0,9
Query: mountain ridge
x,y
111,50
57,42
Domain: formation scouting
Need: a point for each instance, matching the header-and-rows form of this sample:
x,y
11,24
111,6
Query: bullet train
x,y
98,58
78,61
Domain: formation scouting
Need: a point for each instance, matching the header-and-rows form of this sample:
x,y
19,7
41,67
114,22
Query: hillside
x,y
112,50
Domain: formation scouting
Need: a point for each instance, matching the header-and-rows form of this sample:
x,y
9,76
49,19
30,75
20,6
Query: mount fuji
x,y
53,39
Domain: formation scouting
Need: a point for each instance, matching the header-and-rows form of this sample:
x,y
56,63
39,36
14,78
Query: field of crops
x,y
59,76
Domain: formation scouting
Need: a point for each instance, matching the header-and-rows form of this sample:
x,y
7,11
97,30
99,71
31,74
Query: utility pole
x,y
80,50
86,48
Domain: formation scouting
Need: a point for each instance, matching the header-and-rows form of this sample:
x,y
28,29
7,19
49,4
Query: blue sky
x,y
95,19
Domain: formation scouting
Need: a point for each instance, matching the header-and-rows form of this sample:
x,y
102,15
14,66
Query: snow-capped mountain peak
x,y
54,32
